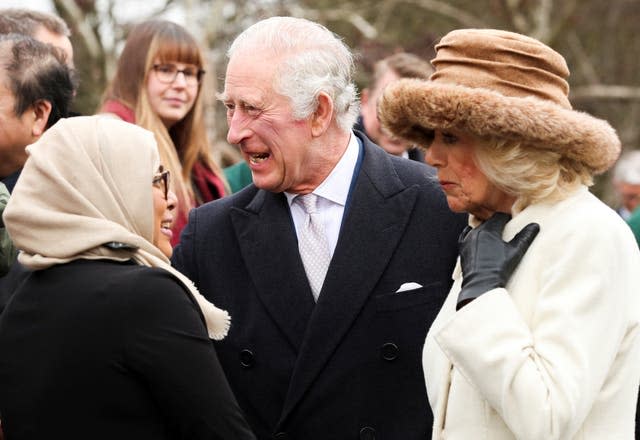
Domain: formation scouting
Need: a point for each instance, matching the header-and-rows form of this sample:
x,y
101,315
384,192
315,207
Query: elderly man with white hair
x,y
330,303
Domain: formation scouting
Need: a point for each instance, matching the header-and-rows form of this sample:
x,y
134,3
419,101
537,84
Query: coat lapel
x,y
269,247
374,223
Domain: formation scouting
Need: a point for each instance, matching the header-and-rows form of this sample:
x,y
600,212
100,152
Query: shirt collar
x,y
335,187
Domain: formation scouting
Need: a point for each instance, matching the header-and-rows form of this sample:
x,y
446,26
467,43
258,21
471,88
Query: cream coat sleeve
x,y
540,351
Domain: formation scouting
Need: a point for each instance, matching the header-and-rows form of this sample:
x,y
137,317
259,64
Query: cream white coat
x,y
555,354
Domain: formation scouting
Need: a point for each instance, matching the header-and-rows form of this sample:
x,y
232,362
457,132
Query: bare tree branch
x,y
385,12
584,61
568,8
605,92
518,19
447,10
542,21
83,26
344,14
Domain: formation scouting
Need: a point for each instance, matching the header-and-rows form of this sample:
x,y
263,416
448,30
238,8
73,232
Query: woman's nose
x,y
435,155
172,200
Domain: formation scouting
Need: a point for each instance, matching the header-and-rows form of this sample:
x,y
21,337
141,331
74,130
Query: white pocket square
x,y
408,286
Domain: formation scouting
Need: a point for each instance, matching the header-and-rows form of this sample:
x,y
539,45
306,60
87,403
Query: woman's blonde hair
x,y
530,174
186,142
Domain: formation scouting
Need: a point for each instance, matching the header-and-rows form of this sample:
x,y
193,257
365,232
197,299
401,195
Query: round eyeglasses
x,y
167,73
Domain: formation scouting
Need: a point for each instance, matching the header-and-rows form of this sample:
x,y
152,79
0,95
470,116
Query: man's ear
x,y
321,118
364,96
41,110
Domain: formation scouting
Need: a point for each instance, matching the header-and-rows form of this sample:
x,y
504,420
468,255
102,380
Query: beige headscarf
x,y
87,183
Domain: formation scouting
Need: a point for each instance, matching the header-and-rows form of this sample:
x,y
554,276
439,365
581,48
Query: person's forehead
x,y
170,62
60,41
5,90
385,79
629,187
249,75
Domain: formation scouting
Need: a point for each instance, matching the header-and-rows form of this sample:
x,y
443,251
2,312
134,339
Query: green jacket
x,y
8,252
634,222
238,176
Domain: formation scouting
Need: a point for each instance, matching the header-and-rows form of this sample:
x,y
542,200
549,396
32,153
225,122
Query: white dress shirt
x,y
332,195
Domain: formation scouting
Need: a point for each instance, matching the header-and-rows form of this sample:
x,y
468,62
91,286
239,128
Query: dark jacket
x,y
348,367
106,350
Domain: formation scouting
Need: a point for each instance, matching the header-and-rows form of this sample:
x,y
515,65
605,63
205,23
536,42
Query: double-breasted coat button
x,y
389,351
281,436
367,433
246,358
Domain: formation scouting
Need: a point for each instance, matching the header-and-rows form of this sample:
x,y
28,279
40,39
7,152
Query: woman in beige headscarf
x,y
105,339
539,336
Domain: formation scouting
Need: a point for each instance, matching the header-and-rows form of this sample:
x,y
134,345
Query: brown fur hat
x,y
501,84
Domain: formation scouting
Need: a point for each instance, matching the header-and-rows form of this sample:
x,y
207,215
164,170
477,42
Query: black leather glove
x,y
487,261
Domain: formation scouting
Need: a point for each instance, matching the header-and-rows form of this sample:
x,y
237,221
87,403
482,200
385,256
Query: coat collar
x,y
268,243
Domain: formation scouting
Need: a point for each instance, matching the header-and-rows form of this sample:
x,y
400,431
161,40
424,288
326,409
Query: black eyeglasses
x,y
161,180
167,73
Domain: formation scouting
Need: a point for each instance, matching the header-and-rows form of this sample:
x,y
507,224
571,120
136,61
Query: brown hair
x,y
186,142
403,64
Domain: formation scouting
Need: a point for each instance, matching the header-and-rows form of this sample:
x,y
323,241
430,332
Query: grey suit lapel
x,y
380,208
269,247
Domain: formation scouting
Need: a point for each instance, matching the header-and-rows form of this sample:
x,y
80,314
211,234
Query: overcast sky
x,y
41,5
125,10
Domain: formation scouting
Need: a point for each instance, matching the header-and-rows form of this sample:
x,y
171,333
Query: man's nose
x,y
238,128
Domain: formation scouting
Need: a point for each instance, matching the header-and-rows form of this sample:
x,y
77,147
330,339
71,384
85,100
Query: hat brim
x,y
412,109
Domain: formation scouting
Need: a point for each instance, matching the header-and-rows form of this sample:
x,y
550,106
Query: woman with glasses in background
x,y
157,85
105,339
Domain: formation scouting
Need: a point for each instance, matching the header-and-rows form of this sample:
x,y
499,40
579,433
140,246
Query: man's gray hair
x,y
316,60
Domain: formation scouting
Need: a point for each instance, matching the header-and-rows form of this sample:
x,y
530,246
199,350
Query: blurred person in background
x,y
104,339
385,71
44,27
539,337
36,90
238,175
158,85
8,251
626,183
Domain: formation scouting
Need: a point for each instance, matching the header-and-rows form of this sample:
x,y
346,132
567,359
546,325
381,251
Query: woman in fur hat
x,y
538,338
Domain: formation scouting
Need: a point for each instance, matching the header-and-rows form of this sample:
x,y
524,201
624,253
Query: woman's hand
x,y
488,261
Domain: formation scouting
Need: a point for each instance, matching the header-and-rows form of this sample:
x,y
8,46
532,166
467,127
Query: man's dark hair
x,y
36,71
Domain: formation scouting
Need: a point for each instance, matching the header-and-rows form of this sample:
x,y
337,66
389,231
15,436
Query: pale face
x,y
60,41
171,101
466,187
278,148
163,217
370,119
630,195
16,132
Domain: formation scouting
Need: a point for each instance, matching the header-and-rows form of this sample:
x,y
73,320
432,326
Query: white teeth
x,y
259,157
